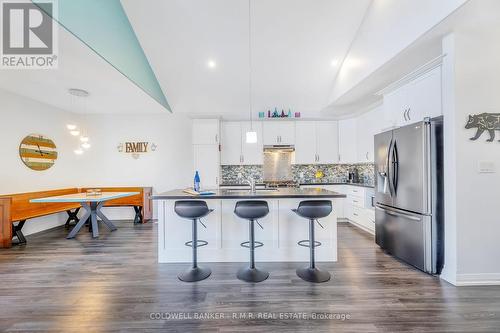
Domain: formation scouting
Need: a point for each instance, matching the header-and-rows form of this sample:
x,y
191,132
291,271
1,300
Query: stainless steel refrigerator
x,y
409,212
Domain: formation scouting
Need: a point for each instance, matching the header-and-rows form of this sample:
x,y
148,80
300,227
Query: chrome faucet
x,y
251,182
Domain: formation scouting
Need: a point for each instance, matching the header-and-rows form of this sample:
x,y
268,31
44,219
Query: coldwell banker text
x,y
29,38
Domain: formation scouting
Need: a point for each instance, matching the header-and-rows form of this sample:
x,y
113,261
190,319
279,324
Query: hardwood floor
x,y
114,284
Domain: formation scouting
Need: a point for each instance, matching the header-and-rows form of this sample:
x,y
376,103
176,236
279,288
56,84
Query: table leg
x,y
93,219
92,211
80,223
104,219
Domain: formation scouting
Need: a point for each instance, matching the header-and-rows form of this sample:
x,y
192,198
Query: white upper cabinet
x,y
368,125
327,142
305,142
279,132
316,142
252,153
235,150
206,131
425,99
395,106
415,100
231,143
347,141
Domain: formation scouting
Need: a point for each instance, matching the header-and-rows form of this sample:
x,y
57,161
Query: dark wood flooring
x,y
114,284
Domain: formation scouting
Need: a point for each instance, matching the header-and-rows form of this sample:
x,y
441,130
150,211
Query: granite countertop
x,y
288,193
305,184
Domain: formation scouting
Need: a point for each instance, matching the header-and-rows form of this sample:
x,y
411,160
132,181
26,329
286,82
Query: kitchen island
x,y
225,231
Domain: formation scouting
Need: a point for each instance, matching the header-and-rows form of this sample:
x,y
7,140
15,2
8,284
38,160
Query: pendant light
x,y
81,95
251,136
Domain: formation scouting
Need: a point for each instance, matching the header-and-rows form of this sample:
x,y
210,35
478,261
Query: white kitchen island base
x,y
225,232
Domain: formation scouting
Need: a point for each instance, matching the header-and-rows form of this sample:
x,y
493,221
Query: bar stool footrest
x,y
307,243
199,243
247,244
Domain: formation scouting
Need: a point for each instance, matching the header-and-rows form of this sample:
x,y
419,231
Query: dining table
x,y
92,204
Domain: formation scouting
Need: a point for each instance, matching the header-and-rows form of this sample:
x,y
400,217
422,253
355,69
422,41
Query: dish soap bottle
x,y
196,182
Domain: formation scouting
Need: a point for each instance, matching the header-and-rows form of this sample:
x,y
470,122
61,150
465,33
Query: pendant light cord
x,y
250,63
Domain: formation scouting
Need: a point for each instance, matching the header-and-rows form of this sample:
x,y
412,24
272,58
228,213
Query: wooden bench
x,y
18,208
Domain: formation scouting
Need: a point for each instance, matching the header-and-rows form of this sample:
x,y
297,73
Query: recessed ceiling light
x,y
211,64
78,151
85,145
71,127
84,139
74,132
78,92
334,63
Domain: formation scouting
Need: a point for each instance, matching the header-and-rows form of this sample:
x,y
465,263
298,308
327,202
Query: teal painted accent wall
x,y
104,27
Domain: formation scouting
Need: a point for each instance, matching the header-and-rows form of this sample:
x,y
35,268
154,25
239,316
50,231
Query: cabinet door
x,y
305,142
395,106
287,132
425,96
327,141
347,141
231,150
207,163
270,133
279,132
205,131
367,126
252,153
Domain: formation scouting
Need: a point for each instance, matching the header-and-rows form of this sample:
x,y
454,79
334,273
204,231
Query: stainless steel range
x,y
409,217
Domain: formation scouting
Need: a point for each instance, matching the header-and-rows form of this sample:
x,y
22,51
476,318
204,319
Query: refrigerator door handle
x,y
388,168
397,214
395,167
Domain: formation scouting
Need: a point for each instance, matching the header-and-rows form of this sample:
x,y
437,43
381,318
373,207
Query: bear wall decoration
x,y
484,122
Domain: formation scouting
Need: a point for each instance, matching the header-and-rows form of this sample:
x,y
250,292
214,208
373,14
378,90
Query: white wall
x,y
472,209
168,167
389,27
19,117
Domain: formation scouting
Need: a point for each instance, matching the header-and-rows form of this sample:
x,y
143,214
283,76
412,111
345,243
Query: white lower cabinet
x,y
355,208
359,208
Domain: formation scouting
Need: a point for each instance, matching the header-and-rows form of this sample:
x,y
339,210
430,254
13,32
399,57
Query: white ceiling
x,y
293,45
79,67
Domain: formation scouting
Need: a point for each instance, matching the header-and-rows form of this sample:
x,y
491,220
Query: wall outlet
x,y
486,167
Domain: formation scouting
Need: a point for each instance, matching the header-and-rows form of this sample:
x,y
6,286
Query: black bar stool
x,y
252,210
313,210
194,210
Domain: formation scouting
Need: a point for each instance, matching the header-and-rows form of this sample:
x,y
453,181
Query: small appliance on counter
x,y
353,176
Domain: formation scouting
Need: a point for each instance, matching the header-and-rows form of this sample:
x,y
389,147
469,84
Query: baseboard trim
x,y
482,279
362,227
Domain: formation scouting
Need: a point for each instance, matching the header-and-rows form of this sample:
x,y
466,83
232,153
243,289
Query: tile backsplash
x,y
303,173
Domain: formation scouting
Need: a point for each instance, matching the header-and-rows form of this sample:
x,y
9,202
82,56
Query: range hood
x,y
284,148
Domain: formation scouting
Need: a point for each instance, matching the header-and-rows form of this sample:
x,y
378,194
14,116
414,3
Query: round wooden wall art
x,y
38,152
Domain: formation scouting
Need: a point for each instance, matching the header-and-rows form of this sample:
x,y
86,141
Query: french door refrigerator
x,y
409,217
